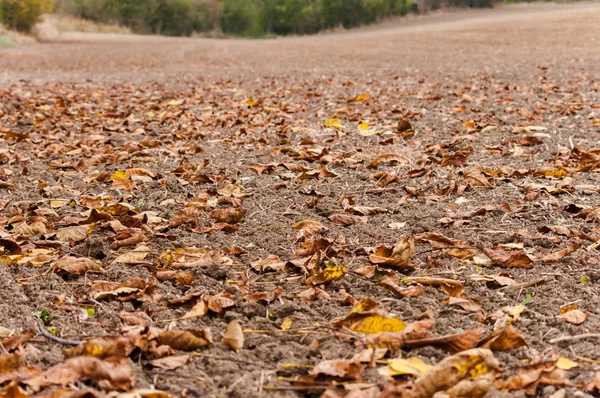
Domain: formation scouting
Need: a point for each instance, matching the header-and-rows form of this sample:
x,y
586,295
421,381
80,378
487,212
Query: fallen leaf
x,y
509,258
77,265
133,257
503,339
171,362
342,368
101,347
346,220
575,317
230,215
286,324
307,229
185,340
377,324
396,257
234,336
566,364
471,364
110,374
327,275
73,234
452,343
409,366
555,257
334,123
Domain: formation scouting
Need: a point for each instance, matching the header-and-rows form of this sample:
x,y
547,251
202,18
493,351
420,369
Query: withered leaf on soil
x,y
185,340
396,257
73,234
134,257
266,297
401,366
77,265
234,336
101,347
509,257
572,246
504,339
411,291
472,365
575,317
273,263
171,362
307,229
452,343
133,289
342,368
346,220
328,274
180,277
230,215
109,374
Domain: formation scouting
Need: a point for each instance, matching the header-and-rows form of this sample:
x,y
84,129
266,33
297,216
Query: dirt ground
x,y
482,127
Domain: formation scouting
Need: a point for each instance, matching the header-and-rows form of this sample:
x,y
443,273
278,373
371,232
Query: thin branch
x,y
576,337
47,335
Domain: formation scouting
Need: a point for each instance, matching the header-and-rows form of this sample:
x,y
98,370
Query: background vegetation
x,y
237,17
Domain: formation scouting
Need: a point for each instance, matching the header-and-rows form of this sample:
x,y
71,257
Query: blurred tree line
x,y
238,17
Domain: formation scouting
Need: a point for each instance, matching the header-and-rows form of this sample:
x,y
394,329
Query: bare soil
x,y
156,100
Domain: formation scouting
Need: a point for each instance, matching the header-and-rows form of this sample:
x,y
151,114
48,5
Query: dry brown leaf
x,y
452,343
474,364
218,302
133,289
475,178
396,257
575,317
230,215
73,234
265,297
134,318
171,362
101,347
109,374
180,277
234,336
307,229
133,257
503,339
77,265
509,258
346,220
555,257
411,291
185,340
198,310
341,368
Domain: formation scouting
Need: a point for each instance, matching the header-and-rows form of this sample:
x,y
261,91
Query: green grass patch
x,y
5,42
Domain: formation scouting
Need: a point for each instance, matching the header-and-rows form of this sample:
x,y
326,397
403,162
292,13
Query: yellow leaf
x,y
363,130
556,173
362,97
329,274
57,203
469,125
119,175
566,364
378,324
286,324
409,366
364,305
250,102
335,123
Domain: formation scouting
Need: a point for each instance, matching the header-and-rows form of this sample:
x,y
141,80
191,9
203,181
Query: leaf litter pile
x,y
322,237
